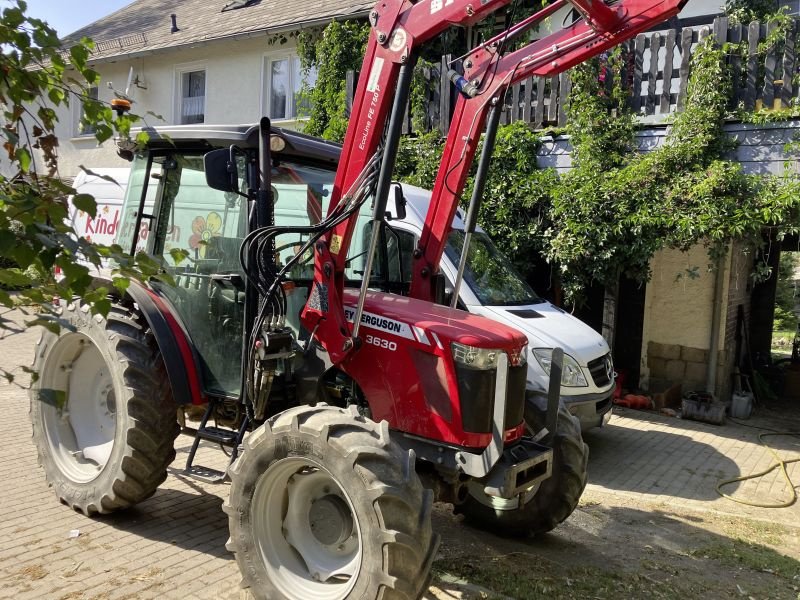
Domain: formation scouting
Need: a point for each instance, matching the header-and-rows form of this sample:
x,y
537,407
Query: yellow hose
x,y
779,463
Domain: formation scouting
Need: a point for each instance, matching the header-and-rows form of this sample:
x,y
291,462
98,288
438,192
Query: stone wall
x,y
672,363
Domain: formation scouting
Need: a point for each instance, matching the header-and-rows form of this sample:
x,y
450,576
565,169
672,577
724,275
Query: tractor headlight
x,y
571,372
475,358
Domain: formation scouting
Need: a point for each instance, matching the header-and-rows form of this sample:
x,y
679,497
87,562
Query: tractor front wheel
x,y
555,498
324,505
104,421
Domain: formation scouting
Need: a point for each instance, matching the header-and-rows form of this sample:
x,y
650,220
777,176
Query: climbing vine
x,y
609,221
332,52
616,207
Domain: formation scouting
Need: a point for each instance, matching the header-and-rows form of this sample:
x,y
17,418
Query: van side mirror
x,y
222,171
399,211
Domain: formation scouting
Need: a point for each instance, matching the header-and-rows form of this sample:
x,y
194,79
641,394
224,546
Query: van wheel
x,y
104,421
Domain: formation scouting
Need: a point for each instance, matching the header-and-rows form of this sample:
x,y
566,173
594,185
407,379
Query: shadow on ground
x,y
627,552
189,520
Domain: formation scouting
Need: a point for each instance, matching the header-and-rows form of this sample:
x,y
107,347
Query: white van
x,y
107,186
492,288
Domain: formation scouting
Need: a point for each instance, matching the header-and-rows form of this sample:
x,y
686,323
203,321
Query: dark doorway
x,y
627,349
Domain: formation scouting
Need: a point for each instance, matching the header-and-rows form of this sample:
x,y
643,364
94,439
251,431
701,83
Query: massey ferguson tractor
x,y
349,398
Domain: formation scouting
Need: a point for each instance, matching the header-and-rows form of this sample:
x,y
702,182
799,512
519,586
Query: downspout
x,y
716,319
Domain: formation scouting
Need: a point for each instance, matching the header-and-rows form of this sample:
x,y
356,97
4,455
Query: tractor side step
x,y
206,474
217,435
226,437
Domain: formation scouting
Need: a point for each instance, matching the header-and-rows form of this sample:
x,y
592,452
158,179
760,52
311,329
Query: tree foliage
x,y
336,50
37,77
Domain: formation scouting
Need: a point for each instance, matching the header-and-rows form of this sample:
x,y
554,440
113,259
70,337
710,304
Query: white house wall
x,y
234,82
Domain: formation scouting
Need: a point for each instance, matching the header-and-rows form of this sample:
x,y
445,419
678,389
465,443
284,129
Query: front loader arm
x,y
398,29
602,27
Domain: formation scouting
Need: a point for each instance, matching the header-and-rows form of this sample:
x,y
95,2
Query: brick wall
x,y
672,363
678,319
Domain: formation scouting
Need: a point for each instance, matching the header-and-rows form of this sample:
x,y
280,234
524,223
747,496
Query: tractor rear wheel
x,y
104,421
555,498
324,505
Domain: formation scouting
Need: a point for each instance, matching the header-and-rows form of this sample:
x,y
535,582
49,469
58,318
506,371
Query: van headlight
x,y
571,373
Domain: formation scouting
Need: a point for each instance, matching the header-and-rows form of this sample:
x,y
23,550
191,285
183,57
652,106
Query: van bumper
x,y
592,410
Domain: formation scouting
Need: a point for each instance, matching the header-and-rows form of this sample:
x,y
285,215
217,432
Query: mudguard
x,y
176,351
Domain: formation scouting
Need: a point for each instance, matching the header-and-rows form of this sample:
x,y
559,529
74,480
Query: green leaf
x,y
86,203
178,255
51,397
122,284
103,133
56,95
14,278
24,159
6,299
50,323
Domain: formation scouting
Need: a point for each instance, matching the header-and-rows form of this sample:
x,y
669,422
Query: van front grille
x,y
602,370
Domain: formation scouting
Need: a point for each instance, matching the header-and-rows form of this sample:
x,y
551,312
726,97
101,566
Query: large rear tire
x,y
556,497
324,505
104,421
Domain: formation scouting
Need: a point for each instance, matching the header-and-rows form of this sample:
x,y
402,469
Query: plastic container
x,y
742,405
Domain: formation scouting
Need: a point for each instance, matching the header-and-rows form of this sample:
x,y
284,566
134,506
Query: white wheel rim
x,y
306,531
78,407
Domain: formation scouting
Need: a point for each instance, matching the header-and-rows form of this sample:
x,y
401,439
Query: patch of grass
x,y
527,576
739,553
755,532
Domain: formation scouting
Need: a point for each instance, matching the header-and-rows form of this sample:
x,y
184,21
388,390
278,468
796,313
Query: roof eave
x,y
225,38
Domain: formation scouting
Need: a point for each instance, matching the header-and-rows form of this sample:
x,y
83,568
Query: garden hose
x,y
778,463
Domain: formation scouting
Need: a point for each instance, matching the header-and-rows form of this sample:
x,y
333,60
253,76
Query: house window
x,y
193,96
284,88
85,128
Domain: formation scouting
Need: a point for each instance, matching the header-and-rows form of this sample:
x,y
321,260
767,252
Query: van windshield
x,y
489,273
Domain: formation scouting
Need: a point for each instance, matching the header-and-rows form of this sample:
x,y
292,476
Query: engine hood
x,y
547,326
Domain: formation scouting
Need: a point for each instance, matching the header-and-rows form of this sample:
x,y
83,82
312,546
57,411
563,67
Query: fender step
x,y
217,435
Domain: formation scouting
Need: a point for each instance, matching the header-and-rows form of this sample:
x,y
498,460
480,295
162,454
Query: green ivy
x,y
336,50
610,219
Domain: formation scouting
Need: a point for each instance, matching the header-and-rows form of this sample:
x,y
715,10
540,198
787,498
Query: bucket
x,y
742,405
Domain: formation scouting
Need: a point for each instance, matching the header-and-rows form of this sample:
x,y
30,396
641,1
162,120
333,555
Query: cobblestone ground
x,y
173,545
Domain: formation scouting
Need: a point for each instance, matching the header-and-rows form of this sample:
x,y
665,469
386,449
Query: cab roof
x,y
245,136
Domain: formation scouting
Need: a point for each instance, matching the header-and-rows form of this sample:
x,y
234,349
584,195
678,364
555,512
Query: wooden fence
x,y
657,77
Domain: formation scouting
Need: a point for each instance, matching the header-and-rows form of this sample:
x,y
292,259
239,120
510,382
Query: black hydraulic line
x,y
482,173
264,210
264,217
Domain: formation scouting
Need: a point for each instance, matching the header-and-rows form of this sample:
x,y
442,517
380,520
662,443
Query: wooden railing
x,y
658,67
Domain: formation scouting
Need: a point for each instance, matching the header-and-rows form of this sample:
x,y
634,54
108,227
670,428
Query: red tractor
x,y
350,401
